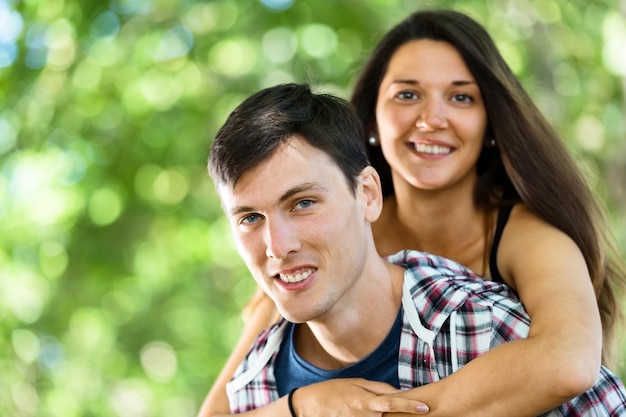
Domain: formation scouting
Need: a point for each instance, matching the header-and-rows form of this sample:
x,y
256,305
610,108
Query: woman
x,y
472,171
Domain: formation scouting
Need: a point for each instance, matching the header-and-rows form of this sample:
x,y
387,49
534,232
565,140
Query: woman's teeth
x,y
432,149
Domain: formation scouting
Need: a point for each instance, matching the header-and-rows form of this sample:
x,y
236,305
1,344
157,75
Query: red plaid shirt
x,y
450,316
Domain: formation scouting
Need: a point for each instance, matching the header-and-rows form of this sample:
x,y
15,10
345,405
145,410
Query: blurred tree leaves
x,y
120,289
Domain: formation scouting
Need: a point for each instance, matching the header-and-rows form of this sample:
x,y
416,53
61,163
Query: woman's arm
x,y
259,313
559,360
340,397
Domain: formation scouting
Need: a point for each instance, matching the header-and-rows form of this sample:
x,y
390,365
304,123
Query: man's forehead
x,y
239,202
296,166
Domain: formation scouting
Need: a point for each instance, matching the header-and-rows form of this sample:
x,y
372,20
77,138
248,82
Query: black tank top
x,y
503,218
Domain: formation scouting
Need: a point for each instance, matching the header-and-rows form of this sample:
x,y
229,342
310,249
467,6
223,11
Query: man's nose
x,y
281,239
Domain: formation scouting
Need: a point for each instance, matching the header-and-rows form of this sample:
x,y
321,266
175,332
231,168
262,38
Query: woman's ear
x,y
372,138
372,193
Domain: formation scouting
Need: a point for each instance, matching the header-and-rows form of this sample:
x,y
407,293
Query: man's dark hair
x,y
270,118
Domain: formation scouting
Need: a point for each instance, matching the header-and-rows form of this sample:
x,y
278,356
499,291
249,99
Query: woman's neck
x,y
444,223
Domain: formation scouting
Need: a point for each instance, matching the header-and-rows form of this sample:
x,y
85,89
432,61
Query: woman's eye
x,y
406,95
250,219
462,98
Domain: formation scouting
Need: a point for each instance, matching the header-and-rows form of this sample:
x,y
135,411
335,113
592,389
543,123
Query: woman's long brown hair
x,y
530,163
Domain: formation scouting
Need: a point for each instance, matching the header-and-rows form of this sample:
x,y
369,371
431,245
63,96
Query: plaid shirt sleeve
x,y
607,398
471,316
486,319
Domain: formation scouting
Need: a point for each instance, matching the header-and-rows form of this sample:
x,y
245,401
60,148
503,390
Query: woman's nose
x,y
432,116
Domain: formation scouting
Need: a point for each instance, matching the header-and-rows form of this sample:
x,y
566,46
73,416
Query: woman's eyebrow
x,y
416,82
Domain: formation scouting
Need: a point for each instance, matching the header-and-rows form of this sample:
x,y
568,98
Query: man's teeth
x,y
295,278
432,149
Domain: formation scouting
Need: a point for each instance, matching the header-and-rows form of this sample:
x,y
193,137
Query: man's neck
x,y
358,329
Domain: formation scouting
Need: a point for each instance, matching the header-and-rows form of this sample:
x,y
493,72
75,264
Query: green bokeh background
x,y
120,290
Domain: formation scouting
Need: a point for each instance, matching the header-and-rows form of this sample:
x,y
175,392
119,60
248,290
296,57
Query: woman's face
x,y
430,116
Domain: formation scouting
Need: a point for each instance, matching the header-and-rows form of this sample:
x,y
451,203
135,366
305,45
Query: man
x,y
300,196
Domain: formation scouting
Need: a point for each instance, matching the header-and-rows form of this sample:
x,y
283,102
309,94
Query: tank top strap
x,y
503,218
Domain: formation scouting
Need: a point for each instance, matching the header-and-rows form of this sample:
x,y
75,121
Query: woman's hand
x,y
352,397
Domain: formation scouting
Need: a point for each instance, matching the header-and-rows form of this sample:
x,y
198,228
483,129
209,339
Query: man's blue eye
x,y
305,204
252,218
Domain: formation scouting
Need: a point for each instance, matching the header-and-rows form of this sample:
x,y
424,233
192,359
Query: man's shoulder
x,y
425,267
268,339
260,356
264,348
439,286
424,264
427,271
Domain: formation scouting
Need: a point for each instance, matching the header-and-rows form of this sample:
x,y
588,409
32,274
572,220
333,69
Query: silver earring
x,y
492,142
372,140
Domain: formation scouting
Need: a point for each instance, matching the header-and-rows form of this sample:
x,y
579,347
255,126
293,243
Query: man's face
x,y
301,230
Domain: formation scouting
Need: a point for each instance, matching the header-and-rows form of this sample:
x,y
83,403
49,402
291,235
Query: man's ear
x,y
372,193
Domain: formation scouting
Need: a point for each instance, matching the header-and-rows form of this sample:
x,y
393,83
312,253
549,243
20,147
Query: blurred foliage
x,y
120,290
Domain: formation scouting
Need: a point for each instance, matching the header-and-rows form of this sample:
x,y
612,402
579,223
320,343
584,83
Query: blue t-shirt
x,y
292,371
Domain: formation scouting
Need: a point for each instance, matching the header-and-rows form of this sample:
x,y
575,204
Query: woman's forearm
x,y
517,379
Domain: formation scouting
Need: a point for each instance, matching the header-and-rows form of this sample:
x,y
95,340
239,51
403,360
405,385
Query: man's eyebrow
x,y
240,209
308,186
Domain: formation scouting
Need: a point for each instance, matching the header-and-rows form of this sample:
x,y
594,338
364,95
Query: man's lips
x,y
295,276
